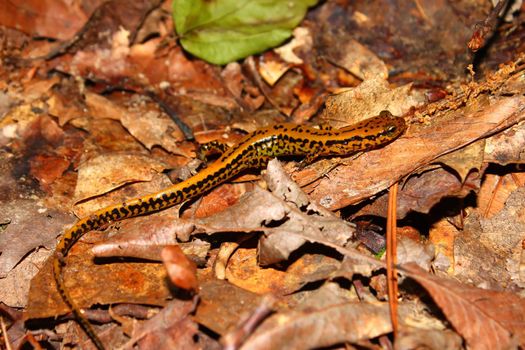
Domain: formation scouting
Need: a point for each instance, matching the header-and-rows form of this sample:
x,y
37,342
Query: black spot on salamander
x,y
312,144
77,234
124,211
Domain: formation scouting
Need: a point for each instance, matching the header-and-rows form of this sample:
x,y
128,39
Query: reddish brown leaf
x,y
181,270
53,19
46,169
108,168
486,319
90,283
223,304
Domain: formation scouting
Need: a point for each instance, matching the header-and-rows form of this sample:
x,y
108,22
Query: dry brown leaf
x,y
66,103
416,251
14,288
171,328
134,190
431,339
442,235
323,327
358,60
145,237
90,284
368,100
112,18
495,190
181,270
223,304
464,160
47,19
272,68
305,217
244,271
16,332
36,89
107,170
239,86
505,232
486,319
47,169
146,124
302,39
506,147
422,192
220,198
29,226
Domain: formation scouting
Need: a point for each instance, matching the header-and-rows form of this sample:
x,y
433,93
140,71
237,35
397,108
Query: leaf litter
x,y
266,263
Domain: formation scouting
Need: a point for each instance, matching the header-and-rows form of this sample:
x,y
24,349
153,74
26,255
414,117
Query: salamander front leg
x,y
325,126
211,148
308,159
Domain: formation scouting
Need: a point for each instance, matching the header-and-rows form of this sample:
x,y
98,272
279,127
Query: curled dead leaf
x,y
181,270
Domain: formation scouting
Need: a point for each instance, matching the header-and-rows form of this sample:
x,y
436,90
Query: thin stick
x,y
391,257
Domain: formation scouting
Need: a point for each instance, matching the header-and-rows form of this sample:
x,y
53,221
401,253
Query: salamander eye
x,y
390,130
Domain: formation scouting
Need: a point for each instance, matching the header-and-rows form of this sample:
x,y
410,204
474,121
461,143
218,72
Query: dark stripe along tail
x,y
98,220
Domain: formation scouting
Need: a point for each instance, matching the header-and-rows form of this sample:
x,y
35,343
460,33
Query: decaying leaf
x,y
487,252
316,328
158,182
506,147
499,316
130,282
495,191
147,125
108,169
223,304
27,229
171,328
181,270
465,160
28,223
368,100
428,339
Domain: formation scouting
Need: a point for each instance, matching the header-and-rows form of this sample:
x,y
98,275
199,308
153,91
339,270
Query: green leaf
x,y
222,31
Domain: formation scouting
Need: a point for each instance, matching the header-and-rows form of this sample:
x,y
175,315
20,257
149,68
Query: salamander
x,y
252,151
